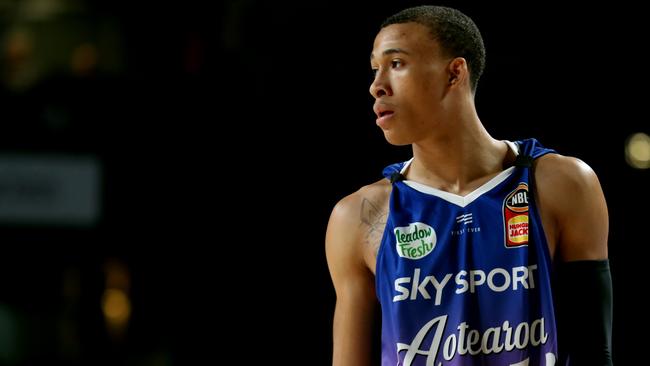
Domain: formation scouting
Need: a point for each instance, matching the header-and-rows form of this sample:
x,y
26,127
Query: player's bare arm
x,y
573,207
353,235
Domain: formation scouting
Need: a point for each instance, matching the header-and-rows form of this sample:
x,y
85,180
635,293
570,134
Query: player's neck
x,y
458,161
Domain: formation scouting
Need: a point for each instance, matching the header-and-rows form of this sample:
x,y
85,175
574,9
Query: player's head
x,y
457,35
427,61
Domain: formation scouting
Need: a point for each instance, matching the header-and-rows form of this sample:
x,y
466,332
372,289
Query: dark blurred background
x,y
167,170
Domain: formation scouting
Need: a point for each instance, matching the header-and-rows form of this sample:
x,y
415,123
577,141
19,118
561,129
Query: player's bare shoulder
x,y
568,192
564,179
365,212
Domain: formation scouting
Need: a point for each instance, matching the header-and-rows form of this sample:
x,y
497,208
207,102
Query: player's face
x,y
410,82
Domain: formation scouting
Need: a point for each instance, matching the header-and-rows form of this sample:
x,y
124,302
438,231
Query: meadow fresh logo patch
x,y
414,241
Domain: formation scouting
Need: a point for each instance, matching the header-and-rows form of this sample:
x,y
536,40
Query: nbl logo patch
x,y
515,217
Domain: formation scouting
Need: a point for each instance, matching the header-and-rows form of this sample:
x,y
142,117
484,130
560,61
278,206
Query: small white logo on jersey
x,y
464,219
414,241
461,225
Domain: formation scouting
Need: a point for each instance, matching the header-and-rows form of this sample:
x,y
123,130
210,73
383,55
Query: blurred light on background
x,y
116,304
637,151
50,189
84,59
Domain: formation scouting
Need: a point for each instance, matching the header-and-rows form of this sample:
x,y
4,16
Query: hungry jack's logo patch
x,y
515,217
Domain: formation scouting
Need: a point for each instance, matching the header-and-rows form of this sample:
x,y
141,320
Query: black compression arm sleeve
x,y
584,312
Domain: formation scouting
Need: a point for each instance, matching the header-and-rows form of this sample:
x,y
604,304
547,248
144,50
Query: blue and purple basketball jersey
x,y
466,280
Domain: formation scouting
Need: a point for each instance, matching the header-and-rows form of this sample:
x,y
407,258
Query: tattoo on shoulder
x,y
375,219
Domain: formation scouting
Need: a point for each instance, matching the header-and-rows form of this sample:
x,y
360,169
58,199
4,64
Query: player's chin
x,y
394,138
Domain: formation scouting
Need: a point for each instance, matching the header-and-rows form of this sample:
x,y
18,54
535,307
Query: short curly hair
x,y
456,33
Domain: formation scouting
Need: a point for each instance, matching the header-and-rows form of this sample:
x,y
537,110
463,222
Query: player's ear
x,y
458,71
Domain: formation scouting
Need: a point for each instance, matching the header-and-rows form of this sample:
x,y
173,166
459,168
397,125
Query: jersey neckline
x,y
456,199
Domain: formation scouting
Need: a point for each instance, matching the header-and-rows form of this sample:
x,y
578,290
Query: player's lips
x,y
383,114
